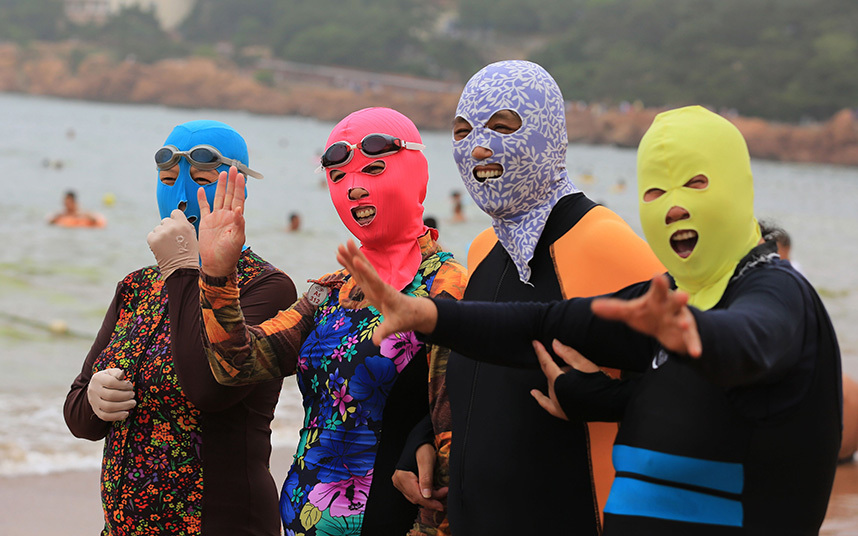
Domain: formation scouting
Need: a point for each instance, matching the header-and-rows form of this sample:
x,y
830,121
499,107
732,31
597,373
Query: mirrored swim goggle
x,y
372,145
203,157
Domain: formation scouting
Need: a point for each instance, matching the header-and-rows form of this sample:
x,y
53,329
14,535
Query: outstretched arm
x,y
501,333
661,313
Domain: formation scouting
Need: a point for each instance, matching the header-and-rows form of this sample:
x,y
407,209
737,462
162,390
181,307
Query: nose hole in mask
x,y
183,205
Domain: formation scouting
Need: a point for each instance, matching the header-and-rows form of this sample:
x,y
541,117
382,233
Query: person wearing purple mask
x,y
511,466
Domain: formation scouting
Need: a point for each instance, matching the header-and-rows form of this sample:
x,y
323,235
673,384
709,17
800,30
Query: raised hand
x,y
222,224
401,312
110,395
661,313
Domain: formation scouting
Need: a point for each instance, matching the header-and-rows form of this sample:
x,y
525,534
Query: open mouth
x,y
364,214
683,242
489,171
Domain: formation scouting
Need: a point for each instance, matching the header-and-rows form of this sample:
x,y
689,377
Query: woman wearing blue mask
x,y
171,431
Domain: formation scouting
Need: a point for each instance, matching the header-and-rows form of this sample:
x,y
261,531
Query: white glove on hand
x,y
174,243
110,396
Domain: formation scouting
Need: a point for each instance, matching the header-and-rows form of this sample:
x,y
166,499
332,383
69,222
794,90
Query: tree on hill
x,y
27,20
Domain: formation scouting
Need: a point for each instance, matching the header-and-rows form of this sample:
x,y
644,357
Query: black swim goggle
x,y
372,145
203,157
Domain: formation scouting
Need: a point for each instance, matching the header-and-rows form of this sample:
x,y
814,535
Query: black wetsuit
x,y
513,466
743,440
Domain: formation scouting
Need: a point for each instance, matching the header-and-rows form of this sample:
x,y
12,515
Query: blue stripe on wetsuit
x,y
633,497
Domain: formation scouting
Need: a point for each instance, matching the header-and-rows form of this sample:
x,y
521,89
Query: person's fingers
x,y
205,210
659,292
546,403
113,411
179,217
344,257
546,362
610,308
369,281
406,483
383,331
573,357
441,493
238,196
115,395
425,469
114,378
220,191
230,188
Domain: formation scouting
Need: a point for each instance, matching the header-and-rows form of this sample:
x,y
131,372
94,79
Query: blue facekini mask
x,y
184,191
533,157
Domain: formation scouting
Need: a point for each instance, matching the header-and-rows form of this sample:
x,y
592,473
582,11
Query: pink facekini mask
x,y
384,211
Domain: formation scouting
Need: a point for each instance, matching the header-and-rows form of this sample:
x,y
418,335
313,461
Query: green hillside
x,y
778,59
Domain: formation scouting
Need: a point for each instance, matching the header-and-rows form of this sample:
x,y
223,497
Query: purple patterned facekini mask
x,y
533,157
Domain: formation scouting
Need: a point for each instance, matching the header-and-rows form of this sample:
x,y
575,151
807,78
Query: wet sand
x,y
69,503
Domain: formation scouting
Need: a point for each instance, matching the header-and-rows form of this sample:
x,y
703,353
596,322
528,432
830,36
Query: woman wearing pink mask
x,y
360,400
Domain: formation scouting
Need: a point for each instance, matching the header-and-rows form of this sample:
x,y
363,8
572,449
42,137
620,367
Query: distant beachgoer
x,y
361,399
72,216
183,455
773,232
430,221
294,222
619,187
458,207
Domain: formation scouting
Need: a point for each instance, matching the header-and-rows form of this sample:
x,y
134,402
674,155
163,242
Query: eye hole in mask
x,y
375,168
698,182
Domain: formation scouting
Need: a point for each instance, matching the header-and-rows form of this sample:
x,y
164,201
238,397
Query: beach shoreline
x,y
69,503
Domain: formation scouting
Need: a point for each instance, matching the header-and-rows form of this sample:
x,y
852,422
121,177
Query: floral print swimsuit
x,y
345,380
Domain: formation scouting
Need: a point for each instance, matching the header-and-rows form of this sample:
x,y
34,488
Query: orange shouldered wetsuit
x,y
502,438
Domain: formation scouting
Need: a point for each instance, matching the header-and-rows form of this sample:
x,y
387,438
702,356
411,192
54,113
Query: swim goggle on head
x,y
203,157
372,145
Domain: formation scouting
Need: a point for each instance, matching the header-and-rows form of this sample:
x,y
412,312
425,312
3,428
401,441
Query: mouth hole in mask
x,y
487,172
683,242
364,214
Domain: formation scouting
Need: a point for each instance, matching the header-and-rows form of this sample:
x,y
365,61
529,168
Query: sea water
x,y
56,283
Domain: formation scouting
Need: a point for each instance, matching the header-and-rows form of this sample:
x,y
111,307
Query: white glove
x,y
110,396
174,243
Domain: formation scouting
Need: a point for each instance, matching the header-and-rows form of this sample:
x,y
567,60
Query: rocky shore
x,y
62,70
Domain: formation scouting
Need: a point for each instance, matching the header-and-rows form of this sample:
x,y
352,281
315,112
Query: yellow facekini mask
x,y
679,146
